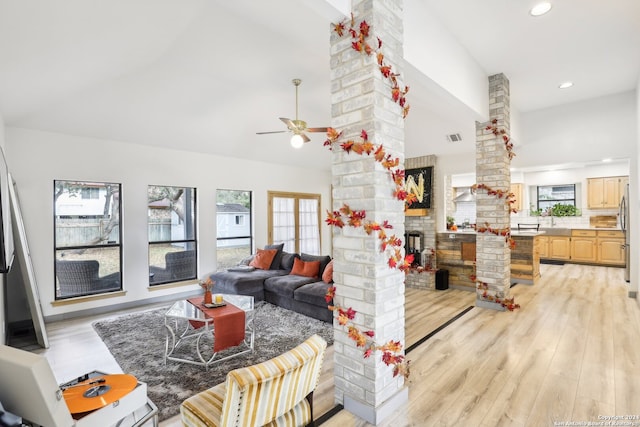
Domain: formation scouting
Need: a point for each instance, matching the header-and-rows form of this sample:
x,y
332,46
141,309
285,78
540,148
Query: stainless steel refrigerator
x,y
624,225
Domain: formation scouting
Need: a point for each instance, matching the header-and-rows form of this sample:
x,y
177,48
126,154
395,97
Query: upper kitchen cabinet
x,y
516,189
605,192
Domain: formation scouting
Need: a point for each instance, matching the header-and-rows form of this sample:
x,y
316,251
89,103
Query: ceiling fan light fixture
x,y
297,141
540,8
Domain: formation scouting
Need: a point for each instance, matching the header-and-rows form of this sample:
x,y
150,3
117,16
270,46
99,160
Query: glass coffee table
x,y
179,323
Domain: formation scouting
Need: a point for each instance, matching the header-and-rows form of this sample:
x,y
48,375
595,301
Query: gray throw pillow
x,y
247,260
288,260
324,260
275,264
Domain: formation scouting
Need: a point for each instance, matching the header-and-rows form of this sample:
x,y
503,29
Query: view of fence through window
x,y
87,238
234,226
172,234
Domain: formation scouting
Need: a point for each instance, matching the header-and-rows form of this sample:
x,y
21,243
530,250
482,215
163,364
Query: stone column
x,y
493,256
361,100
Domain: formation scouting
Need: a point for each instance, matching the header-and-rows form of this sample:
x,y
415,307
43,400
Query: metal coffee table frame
x,y
179,330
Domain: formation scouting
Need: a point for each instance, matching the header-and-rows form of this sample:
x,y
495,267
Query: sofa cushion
x,y
306,268
312,293
275,263
263,259
287,260
324,260
243,283
285,285
327,275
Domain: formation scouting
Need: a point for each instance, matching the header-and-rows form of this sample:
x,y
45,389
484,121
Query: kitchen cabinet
x,y
610,249
605,192
554,247
516,189
598,247
543,246
559,247
583,245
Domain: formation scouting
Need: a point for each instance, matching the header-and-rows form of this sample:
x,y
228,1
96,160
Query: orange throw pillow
x,y
305,268
327,275
263,258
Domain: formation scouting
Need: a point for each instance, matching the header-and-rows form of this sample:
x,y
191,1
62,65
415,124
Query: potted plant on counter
x,y
451,223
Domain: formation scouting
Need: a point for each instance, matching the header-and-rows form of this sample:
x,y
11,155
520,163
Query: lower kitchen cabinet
x,y
559,247
584,246
543,246
604,247
611,247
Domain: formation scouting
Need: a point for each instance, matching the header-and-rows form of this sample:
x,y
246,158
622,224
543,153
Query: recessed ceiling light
x,y
565,85
606,160
540,8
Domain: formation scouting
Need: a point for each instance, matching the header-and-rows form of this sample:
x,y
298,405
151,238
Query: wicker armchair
x,y
82,278
180,266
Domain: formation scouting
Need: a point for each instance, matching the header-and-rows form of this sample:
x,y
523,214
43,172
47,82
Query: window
x,y
87,238
172,234
550,195
233,227
90,193
294,219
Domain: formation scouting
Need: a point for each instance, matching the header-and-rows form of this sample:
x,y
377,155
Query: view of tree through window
x,y
172,234
87,239
233,227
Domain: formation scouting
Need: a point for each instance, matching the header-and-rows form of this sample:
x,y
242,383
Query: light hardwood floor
x,y
570,353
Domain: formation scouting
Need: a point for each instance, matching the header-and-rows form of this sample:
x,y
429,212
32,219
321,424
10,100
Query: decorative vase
x,y
207,297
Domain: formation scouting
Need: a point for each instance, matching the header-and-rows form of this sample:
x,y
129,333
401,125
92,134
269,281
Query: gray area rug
x,y
137,341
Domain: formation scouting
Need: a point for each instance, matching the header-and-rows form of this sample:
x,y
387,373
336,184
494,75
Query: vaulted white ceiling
x,y
206,75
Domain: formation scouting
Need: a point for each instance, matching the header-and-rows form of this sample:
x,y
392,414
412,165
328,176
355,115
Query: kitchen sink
x,y
553,231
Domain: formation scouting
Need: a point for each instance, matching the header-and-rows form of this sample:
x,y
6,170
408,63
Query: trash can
x,y
442,280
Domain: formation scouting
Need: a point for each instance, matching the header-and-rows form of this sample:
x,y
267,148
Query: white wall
x,y
2,281
578,132
38,158
634,203
430,48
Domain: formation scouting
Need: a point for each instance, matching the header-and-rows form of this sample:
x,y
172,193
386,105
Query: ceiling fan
x,y
298,127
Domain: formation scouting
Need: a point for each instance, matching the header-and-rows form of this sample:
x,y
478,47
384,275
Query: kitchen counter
x,y
455,252
513,232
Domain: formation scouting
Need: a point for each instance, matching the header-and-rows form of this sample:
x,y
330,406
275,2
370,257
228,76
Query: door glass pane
x,y
284,226
309,228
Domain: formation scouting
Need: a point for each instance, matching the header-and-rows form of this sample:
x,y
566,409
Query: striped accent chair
x,y
278,392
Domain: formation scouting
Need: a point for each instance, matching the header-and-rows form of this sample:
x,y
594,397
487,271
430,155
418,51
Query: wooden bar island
x,y
456,252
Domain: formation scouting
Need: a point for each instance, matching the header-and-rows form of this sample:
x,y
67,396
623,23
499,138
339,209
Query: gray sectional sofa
x,y
277,286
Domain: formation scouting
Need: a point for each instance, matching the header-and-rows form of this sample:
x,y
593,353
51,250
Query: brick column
x,y
493,256
361,99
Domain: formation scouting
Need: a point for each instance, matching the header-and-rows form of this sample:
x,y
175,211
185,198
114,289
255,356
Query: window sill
x,y
81,299
172,285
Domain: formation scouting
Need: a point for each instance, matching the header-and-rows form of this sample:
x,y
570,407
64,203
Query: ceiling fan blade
x,y
317,130
305,138
275,131
288,122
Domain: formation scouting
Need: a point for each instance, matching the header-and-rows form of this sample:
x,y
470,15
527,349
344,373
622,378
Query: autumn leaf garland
x,y
359,36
